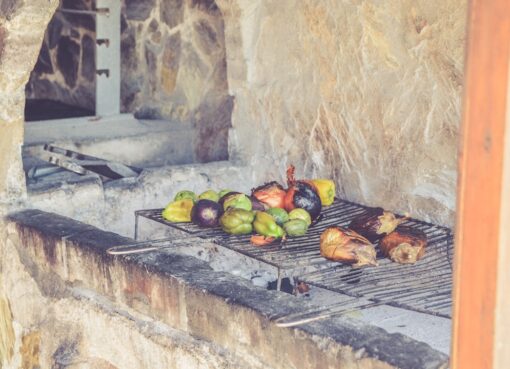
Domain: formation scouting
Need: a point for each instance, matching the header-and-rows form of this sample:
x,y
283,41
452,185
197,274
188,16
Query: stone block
x,y
139,10
54,31
68,60
2,37
171,12
44,64
9,7
208,6
30,350
207,37
7,336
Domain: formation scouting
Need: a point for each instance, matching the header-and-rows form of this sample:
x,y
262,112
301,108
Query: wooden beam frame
x,y
480,189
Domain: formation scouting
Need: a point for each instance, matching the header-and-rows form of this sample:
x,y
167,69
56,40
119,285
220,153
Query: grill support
x,y
424,287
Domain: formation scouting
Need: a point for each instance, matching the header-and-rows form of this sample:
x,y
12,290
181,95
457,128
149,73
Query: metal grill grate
x,y
425,286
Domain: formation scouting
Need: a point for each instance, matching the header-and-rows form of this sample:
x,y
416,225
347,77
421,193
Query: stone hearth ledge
x,y
185,294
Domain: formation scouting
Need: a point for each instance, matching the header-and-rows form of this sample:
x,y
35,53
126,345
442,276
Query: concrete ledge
x,y
188,295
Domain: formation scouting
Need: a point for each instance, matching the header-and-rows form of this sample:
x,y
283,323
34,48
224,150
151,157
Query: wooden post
x,y
480,188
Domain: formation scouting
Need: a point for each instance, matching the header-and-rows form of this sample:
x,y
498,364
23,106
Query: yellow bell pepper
x,y
178,211
326,188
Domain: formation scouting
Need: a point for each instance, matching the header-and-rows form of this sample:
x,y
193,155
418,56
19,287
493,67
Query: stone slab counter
x,y
68,301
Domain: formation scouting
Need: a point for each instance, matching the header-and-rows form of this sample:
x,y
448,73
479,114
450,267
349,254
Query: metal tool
x,y
81,164
152,245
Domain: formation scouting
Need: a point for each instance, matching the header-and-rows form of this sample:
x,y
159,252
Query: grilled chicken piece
x,y
345,245
405,245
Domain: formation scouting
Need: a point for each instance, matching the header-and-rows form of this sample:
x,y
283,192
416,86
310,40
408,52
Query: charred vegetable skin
x,y
347,246
206,213
302,194
326,190
405,245
375,223
271,194
237,221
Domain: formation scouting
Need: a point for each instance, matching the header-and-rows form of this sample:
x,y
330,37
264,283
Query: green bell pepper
x,y
209,195
265,225
185,194
237,221
237,201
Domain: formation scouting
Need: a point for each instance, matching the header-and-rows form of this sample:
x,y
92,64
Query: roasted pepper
x,y
237,221
296,227
326,189
280,215
209,195
185,194
237,201
265,225
178,211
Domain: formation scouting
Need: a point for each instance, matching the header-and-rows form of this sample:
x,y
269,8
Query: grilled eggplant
x,y
376,223
347,246
302,194
405,245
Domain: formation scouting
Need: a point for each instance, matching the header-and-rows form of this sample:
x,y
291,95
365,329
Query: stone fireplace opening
x,y
158,81
222,94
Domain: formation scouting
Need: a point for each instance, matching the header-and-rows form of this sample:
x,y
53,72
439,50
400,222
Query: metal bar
x,y
102,11
108,58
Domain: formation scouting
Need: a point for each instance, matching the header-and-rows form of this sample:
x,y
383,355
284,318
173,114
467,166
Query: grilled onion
x,y
376,223
405,245
272,194
345,245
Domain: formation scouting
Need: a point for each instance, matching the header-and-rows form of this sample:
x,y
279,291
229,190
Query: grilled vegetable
x,y
209,195
272,194
178,211
265,225
345,245
256,204
326,189
206,213
300,214
237,221
259,240
224,192
279,215
181,195
302,194
405,245
236,201
226,196
375,223
296,227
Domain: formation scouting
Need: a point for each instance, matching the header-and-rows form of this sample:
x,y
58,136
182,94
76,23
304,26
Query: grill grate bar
x,y
425,286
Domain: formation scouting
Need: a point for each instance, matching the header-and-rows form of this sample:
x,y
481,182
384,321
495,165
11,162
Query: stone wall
x,y
22,25
71,305
65,69
368,93
173,66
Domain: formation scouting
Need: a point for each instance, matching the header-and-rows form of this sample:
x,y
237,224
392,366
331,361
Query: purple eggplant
x,y
206,213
